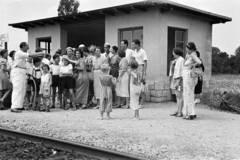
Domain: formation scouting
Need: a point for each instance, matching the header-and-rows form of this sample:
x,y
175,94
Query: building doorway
x,y
177,37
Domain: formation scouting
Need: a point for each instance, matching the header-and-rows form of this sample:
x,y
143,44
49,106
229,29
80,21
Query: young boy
x,y
55,69
36,73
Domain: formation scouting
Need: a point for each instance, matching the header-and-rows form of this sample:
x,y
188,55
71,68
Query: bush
x,y
223,100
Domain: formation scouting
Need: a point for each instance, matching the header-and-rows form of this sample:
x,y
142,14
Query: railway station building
x,y
160,25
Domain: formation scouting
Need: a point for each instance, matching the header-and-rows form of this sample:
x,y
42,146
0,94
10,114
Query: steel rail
x,y
91,151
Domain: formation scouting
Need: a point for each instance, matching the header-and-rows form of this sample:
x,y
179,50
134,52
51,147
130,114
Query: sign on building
x,y
3,40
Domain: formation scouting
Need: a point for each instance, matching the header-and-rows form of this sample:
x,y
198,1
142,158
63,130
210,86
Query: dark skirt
x,y
67,83
114,72
198,87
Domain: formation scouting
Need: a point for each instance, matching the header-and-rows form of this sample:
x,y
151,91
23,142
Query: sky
x,y
224,36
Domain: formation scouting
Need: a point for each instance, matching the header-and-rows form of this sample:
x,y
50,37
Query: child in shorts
x,y
55,70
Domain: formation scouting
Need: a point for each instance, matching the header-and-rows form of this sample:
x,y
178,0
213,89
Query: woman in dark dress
x,y
198,87
114,71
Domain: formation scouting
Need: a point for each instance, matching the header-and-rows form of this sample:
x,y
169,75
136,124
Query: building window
x,y
130,34
179,39
176,38
45,44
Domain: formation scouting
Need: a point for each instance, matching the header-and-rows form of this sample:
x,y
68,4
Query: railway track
x,y
91,151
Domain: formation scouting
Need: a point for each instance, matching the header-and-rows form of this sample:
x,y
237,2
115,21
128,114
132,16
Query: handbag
x,y
196,72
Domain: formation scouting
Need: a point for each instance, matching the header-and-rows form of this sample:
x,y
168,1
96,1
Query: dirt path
x,y
213,135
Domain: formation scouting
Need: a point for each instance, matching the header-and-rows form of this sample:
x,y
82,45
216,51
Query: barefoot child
x,y
135,89
55,70
45,88
106,82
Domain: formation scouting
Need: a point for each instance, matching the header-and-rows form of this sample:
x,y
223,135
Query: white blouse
x,y
178,67
66,69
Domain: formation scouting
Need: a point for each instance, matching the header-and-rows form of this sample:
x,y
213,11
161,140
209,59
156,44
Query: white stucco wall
x,y
58,36
155,36
151,35
199,32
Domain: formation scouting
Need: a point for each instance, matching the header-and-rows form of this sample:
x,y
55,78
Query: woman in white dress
x,y
189,83
122,89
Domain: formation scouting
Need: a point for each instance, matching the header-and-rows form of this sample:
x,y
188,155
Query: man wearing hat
x,y
107,54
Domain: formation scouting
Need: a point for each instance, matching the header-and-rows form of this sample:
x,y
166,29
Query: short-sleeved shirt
x,y
104,55
66,69
140,56
129,54
20,59
55,69
178,67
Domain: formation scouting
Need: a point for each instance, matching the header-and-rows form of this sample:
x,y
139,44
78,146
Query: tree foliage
x,y
223,63
67,7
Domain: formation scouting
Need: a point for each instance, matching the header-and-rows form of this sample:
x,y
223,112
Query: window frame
x,y
48,45
132,29
183,41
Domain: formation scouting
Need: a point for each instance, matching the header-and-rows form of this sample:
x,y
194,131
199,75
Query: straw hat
x,y
46,61
65,57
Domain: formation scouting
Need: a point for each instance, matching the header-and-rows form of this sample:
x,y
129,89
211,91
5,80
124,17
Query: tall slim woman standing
x,y
189,83
114,71
82,83
98,60
177,80
122,87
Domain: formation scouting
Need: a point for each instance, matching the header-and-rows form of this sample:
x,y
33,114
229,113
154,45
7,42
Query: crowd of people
x,y
74,78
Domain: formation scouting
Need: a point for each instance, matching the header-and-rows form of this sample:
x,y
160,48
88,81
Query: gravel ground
x,y
13,148
213,135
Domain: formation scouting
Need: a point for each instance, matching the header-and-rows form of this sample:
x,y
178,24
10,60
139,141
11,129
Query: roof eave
x,y
127,8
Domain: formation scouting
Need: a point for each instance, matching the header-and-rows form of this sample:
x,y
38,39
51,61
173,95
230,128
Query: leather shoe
x,y
20,109
15,111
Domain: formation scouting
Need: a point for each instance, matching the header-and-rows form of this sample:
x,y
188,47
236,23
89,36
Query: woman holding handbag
x,y
177,80
189,81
